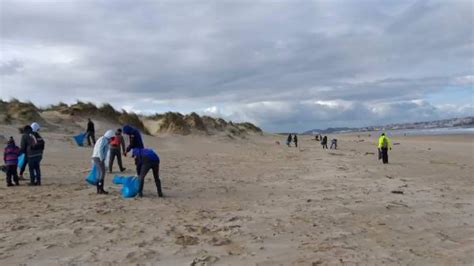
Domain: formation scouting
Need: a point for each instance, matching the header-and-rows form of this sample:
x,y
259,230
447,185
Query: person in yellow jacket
x,y
384,145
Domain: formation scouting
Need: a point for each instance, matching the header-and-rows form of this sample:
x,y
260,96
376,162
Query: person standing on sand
x,y
384,144
10,157
295,140
25,134
90,132
116,142
334,144
288,140
148,160
35,148
324,142
136,141
98,157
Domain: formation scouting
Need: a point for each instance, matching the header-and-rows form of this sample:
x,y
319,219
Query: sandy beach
x,y
251,201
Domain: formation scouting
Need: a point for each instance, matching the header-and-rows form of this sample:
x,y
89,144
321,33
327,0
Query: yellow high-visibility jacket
x,y
383,139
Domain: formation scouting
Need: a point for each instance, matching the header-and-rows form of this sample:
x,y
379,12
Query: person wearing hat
x,y
10,157
98,157
34,152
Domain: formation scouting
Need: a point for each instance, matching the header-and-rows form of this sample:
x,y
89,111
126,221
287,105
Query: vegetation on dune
x,y
170,122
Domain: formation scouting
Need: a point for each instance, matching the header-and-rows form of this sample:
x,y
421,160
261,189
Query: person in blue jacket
x,y
135,141
148,159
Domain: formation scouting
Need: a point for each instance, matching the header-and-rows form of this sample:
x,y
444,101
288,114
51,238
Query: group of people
x,y
31,146
112,142
324,142
293,139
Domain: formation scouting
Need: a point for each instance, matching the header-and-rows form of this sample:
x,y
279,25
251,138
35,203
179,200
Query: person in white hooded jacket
x,y
98,157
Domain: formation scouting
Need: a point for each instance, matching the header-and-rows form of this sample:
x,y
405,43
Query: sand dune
x,y
249,201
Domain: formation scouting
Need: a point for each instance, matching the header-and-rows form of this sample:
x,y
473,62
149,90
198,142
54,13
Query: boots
x,y
158,188
100,188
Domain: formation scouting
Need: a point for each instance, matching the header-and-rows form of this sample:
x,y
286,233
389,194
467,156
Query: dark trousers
x,y
334,145
325,145
12,174
385,155
90,138
115,153
23,167
155,167
35,170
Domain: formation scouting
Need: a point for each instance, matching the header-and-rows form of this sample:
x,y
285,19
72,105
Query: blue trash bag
x,y
91,178
130,185
80,139
21,160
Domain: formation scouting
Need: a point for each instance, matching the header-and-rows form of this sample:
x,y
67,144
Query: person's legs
x,y
88,137
156,176
9,176
143,172
38,172
32,168
15,175
119,161
100,165
93,138
111,159
385,155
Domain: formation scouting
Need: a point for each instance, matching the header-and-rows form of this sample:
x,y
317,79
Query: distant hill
x,y
72,118
445,123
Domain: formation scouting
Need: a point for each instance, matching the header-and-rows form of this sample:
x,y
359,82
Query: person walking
x,y
324,142
333,144
10,157
384,144
116,145
148,160
35,148
98,157
25,135
90,133
295,140
288,140
135,141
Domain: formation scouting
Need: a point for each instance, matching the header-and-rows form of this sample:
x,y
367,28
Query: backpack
x,y
38,142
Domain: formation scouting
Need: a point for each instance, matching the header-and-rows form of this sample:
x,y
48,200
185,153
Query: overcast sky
x,y
284,65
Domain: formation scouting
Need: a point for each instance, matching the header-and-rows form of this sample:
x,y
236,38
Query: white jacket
x,y
102,145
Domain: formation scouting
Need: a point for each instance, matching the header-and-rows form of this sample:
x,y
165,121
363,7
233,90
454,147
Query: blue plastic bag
x,y
92,176
21,160
80,139
130,185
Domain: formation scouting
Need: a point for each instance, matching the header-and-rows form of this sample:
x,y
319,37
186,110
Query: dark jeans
x,y
12,174
23,167
325,145
155,167
35,170
385,155
90,137
115,153
334,145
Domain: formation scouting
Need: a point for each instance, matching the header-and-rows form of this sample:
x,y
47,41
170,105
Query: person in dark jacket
x,y
35,148
148,160
90,133
10,157
295,140
288,140
135,141
26,131
324,142
115,143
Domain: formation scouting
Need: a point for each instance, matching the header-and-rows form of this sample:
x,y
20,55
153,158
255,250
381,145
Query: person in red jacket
x,y
10,157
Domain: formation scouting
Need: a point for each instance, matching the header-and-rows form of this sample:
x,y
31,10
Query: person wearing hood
x,y
148,159
135,141
25,135
98,157
34,151
10,157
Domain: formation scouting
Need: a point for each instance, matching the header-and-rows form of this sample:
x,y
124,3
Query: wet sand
x,y
251,202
